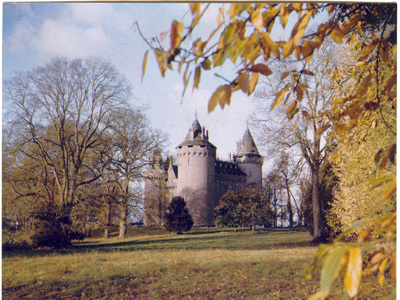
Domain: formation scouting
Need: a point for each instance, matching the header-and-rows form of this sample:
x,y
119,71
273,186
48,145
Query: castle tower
x,y
156,195
196,174
249,159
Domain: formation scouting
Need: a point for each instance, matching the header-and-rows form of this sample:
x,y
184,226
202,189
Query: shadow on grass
x,y
261,239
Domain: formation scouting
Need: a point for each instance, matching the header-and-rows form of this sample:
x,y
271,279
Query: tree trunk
x,y
108,221
316,204
123,221
106,233
289,206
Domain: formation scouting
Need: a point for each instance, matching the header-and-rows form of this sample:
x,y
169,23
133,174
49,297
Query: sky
x,y
34,33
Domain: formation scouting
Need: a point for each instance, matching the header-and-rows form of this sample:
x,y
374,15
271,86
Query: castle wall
x,y
228,177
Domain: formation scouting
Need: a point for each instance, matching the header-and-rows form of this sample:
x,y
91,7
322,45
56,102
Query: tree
x,y
133,142
248,207
273,188
178,218
61,111
306,132
245,38
327,182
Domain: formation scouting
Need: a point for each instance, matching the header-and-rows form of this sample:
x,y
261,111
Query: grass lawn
x,y
207,263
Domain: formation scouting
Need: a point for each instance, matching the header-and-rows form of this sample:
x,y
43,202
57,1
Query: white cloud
x,y
21,36
63,39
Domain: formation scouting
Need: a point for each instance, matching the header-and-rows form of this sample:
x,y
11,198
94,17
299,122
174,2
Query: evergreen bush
x,y
178,218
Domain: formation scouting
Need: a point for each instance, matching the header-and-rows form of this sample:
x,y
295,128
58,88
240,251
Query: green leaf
x,y
352,278
331,268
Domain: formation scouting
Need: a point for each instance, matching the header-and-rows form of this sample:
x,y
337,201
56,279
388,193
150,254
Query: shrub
x,y
53,229
178,218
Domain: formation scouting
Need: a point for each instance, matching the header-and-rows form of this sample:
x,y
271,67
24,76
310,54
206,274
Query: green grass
x,y
207,263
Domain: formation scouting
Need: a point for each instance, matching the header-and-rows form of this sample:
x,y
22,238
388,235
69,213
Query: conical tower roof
x,y
196,136
247,144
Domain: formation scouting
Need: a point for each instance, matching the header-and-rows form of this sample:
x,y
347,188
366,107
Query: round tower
x,y
196,174
249,159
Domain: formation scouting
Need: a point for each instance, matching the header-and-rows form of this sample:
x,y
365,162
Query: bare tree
x,y
62,110
305,131
133,143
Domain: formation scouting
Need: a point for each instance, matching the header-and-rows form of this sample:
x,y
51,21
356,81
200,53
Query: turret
x,y
196,175
249,159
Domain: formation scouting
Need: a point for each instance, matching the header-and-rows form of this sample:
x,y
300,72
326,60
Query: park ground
x,y
206,263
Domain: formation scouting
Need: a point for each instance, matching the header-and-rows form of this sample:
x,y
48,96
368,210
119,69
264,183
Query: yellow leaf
x,y
331,268
393,267
220,15
234,9
390,190
253,82
288,48
337,34
161,57
382,266
307,72
299,93
349,24
268,42
176,34
197,74
257,19
389,84
353,273
331,8
322,129
185,78
292,108
284,14
144,63
279,97
244,82
222,96
306,114
297,6
384,54
261,68
284,75
206,64
367,50
300,27
194,8
364,85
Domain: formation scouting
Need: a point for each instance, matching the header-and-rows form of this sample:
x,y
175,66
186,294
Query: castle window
x,y
190,146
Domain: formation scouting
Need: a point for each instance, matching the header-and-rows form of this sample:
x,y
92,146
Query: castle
x,y
199,177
